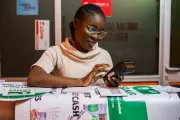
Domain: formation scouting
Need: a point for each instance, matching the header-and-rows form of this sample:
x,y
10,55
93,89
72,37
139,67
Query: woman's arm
x,y
39,77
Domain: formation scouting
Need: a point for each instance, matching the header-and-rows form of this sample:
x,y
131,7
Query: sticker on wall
x,y
27,7
105,5
42,37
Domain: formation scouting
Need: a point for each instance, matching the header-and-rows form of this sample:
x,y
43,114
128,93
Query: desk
x,y
143,103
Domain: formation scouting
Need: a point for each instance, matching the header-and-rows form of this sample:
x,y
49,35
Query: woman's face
x,y
83,40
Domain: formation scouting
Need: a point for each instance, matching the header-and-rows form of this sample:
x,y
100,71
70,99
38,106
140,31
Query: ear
x,y
76,22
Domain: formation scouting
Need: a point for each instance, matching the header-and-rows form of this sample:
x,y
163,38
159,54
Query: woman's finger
x,y
113,78
117,82
95,78
99,77
119,79
102,70
103,65
108,83
100,66
32,117
36,114
111,81
96,72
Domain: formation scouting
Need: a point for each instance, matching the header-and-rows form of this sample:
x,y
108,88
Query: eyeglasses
x,y
92,31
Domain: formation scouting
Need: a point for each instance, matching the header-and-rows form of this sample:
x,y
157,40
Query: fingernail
x,y
111,74
105,65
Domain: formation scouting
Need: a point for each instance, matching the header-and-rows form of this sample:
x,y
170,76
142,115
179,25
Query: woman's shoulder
x,y
104,51
105,56
54,49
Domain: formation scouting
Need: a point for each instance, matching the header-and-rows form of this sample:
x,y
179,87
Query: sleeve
x,y
48,60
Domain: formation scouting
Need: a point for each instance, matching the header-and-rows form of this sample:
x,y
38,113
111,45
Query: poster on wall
x,y
27,7
42,36
105,5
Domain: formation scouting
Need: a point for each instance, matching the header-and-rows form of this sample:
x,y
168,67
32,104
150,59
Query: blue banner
x,y
27,7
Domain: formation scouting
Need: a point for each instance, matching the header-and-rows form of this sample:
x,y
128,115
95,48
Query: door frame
x,y
162,26
171,76
58,30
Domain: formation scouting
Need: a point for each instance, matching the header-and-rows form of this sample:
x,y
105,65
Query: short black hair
x,y
88,9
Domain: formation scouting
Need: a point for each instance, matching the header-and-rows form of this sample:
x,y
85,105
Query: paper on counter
x,y
89,89
105,91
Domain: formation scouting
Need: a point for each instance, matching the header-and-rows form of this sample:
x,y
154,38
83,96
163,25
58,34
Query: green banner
x,y
146,90
13,92
126,110
16,96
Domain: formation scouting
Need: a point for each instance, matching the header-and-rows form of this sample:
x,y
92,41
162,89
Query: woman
x,y
78,61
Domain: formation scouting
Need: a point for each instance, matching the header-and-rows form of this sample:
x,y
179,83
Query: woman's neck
x,y
76,45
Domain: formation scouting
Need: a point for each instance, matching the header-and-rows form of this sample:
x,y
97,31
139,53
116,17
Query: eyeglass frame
x,y
95,32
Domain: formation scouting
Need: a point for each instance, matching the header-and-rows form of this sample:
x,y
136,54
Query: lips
x,y
91,43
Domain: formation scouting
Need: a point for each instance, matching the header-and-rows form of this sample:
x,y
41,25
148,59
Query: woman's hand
x,y
34,115
114,80
93,76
